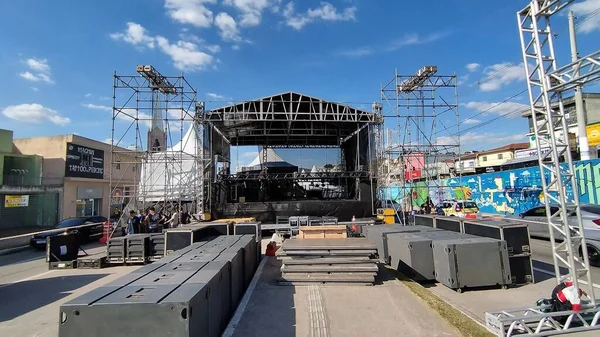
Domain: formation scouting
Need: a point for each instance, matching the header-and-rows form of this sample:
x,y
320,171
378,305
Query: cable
x,y
487,110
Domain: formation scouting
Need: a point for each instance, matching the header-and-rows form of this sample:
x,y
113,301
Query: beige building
x,y
82,166
500,155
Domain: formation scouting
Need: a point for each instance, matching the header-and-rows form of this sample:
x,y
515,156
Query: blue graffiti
x,y
505,192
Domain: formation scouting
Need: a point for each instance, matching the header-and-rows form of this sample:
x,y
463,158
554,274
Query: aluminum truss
x,y
547,83
244,176
421,143
165,107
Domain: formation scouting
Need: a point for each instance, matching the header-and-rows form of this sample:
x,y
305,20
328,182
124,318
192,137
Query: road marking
x,y
27,279
551,273
235,320
316,310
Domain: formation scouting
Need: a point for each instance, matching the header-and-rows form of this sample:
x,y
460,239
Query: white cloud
x,y
193,12
35,114
35,89
251,10
228,29
472,66
483,140
463,79
508,109
415,39
588,19
498,75
471,121
213,48
185,55
235,47
39,71
136,35
357,52
88,95
325,12
249,155
97,107
38,65
215,96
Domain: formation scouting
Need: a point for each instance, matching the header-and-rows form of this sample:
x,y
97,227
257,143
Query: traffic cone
x,y
105,232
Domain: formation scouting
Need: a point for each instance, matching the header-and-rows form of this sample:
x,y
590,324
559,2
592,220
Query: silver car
x,y
590,215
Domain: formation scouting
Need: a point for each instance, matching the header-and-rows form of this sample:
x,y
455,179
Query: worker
x,y
133,223
175,220
153,219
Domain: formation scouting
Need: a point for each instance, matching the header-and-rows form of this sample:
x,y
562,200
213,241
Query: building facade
x,y
24,200
591,107
81,165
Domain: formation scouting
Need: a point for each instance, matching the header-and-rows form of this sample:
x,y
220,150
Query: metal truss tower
x,y
547,83
419,140
156,152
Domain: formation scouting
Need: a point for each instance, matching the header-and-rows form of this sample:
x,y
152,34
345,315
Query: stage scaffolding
x,y
419,141
156,153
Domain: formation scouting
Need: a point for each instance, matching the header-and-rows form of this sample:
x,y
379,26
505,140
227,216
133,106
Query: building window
x,y
118,165
500,156
88,207
470,164
484,158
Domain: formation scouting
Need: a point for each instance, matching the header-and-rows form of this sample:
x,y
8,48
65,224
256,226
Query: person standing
x,y
153,219
175,220
133,223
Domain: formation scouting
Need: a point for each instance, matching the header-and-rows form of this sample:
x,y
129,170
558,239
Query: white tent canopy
x,y
176,173
271,156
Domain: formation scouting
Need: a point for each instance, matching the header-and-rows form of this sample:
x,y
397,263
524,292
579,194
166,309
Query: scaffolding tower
x,y
547,83
419,140
156,138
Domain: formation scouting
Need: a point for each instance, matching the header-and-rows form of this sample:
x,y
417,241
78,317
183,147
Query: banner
x,y
84,162
11,201
593,134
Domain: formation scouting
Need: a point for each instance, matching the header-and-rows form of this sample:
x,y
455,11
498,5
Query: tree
x,y
328,167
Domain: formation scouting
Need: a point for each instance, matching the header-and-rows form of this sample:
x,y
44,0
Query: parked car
x,y
590,215
86,234
459,208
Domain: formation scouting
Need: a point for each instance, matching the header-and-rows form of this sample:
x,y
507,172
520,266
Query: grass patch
x,y
461,322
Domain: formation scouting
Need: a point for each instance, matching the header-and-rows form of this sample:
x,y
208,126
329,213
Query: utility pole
x,y
584,148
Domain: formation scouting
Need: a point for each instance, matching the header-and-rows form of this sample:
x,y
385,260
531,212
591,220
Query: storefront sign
x,y
529,153
84,162
11,201
593,134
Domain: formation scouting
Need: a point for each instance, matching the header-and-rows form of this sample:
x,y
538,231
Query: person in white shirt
x,y
175,220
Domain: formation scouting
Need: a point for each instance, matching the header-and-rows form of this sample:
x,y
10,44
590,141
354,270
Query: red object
x,y
413,174
597,222
458,208
471,216
105,232
271,249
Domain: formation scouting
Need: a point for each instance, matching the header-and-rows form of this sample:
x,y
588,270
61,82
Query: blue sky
x,y
58,57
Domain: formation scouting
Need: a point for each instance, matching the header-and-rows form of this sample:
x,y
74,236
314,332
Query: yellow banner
x,y
11,201
593,134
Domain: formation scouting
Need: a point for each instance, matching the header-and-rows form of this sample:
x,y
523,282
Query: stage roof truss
x,y
289,119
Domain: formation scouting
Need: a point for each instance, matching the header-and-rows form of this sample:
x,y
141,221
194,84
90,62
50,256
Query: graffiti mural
x,y
505,192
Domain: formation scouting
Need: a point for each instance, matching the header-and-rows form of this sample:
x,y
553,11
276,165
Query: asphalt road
x,y
543,262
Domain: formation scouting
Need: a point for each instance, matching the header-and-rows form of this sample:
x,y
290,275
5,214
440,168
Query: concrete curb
x,y
13,250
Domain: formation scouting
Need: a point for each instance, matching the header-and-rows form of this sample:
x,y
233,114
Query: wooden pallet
x,y
323,232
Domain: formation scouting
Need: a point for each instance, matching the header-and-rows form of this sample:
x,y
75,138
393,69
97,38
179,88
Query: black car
x,y
86,234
